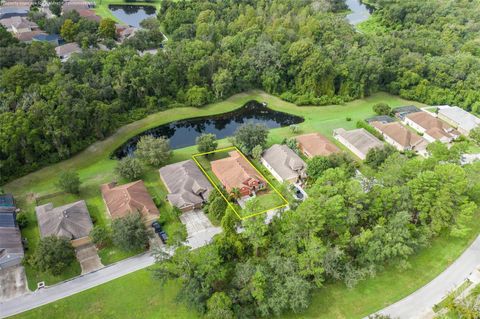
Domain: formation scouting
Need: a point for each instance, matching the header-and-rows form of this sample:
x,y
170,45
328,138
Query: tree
x,y
106,29
475,135
53,255
257,152
197,96
217,207
377,156
153,151
22,220
69,30
100,236
317,165
129,232
219,306
249,135
235,194
206,143
130,168
69,182
222,83
382,109
56,8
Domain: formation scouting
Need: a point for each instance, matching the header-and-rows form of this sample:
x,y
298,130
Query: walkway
x,y
420,303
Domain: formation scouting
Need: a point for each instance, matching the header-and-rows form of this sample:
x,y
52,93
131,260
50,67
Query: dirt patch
x,y
13,283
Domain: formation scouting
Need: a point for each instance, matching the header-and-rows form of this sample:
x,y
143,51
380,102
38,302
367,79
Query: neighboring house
x,y
28,36
188,188
384,119
315,144
431,127
64,52
401,138
359,141
11,247
18,24
124,32
402,111
284,164
125,199
71,221
235,172
89,15
459,118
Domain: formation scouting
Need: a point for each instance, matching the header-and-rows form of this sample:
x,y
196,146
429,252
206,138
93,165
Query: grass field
x,y
95,167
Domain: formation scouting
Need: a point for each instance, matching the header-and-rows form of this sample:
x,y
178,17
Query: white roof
x,y
462,118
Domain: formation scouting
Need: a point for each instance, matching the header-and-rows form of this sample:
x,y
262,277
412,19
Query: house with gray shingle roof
x,y
11,247
188,188
359,141
71,221
284,164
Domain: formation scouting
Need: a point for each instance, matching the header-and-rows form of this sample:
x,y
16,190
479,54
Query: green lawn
x,y
95,167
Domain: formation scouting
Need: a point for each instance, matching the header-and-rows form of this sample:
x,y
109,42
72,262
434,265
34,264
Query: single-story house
x,y
28,36
359,141
71,221
125,199
18,24
11,247
464,121
235,172
431,127
188,188
64,52
315,144
401,138
284,164
402,111
89,15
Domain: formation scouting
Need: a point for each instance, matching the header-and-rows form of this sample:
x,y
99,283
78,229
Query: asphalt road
x,y
419,303
76,285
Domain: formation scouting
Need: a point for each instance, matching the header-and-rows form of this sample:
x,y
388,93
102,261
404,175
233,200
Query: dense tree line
x,y
350,227
304,51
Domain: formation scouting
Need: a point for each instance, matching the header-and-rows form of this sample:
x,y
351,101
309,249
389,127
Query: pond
x,y
132,14
184,133
360,11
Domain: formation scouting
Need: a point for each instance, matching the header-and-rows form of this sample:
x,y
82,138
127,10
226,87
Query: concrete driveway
x,y
88,258
13,282
199,228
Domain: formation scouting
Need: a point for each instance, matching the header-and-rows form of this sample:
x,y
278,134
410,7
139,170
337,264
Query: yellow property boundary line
x,y
234,148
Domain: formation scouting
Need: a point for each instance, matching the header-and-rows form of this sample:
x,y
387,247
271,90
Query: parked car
x,y
160,232
297,193
157,227
163,236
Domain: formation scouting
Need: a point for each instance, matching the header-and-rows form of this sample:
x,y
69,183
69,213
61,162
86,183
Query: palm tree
x,y
235,194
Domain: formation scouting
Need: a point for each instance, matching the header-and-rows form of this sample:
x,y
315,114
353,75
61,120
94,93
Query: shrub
x,y
22,220
382,109
53,255
130,168
100,236
257,152
69,182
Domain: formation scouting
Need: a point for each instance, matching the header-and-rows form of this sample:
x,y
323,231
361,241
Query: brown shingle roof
x,y
316,145
399,134
124,199
433,126
71,221
235,171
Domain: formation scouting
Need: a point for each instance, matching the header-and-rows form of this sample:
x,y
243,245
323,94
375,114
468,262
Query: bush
x,y
69,182
348,119
382,109
53,255
130,168
100,236
129,232
257,152
371,130
22,220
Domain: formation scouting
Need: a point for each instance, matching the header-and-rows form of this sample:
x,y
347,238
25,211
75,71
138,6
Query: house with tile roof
x,y
401,138
358,141
188,189
128,198
71,221
432,128
284,164
235,172
315,144
459,118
